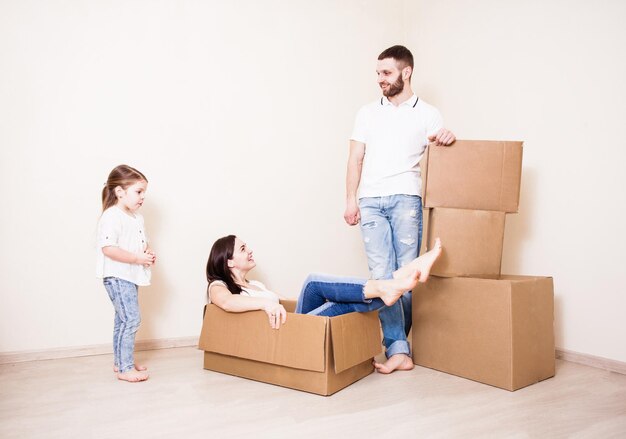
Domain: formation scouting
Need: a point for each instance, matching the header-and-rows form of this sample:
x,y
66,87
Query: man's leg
x,y
405,217
377,237
406,223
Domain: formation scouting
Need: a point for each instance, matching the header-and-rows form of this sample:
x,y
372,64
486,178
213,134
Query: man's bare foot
x,y
132,376
395,362
422,263
138,367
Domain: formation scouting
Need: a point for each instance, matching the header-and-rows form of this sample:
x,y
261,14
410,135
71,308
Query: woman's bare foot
x,y
138,367
132,376
423,263
390,290
395,362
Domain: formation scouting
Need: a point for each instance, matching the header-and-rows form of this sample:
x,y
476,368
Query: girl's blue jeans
x,y
123,295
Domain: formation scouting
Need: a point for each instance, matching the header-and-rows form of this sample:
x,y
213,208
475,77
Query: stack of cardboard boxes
x,y
469,319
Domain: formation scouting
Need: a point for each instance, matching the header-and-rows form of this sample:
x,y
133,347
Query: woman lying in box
x,y
230,261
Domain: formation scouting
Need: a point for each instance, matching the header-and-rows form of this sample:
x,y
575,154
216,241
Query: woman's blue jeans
x,y
123,295
327,295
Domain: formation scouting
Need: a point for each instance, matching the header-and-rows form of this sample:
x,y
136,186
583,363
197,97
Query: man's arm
x,y
353,178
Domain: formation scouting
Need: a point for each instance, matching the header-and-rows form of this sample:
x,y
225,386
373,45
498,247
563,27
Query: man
x,y
389,139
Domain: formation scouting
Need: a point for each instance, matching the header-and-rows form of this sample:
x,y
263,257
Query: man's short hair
x,y
399,53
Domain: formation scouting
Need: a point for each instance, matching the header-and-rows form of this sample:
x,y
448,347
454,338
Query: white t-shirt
x,y
118,229
261,292
395,139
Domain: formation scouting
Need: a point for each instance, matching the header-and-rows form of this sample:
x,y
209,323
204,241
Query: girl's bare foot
x,y
132,376
423,263
138,367
395,362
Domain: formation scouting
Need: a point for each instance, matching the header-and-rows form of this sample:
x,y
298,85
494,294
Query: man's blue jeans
x,y
327,295
392,232
123,295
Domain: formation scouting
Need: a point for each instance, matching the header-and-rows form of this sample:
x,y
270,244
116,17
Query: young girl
x,y
123,262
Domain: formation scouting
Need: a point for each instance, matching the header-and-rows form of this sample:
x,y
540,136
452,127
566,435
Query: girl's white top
x,y
262,292
118,229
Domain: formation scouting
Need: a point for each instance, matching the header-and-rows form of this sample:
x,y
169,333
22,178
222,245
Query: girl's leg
x,y
127,309
112,291
117,323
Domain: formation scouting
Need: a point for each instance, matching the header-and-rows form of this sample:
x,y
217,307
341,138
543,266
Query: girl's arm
x,y
229,302
121,255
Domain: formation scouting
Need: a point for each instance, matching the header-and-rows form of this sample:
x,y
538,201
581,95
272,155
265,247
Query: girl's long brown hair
x,y
123,176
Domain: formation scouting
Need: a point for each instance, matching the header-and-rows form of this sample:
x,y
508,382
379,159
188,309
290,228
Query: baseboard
x,y
100,349
591,360
165,343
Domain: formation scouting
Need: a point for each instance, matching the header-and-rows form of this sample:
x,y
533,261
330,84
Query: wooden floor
x,y
80,398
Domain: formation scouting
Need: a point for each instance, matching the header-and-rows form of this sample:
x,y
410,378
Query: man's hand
x,y
352,215
443,137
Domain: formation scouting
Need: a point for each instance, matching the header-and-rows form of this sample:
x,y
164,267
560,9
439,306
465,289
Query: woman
x,y
230,261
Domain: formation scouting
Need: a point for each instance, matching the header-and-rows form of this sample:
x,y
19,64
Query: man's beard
x,y
395,88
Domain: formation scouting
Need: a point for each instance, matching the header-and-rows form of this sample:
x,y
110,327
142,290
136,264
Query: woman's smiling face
x,y
242,259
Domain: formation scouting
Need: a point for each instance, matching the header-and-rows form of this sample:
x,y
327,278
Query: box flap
x,y
299,343
356,338
289,305
474,174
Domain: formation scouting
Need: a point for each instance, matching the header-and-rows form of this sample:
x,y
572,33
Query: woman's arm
x,y
222,297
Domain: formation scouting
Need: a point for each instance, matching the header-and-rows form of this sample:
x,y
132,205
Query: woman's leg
x,y
321,288
334,295
325,294
423,263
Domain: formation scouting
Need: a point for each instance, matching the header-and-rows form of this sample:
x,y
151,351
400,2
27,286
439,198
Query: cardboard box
x,y
472,241
496,331
316,354
473,174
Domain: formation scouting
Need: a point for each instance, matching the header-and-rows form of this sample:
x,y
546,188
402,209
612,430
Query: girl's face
x,y
132,198
242,259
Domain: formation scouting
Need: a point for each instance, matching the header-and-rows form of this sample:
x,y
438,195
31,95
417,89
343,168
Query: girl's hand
x,y
152,253
145,259
276,313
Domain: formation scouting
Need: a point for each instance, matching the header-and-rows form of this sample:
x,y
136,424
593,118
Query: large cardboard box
x,y
472,241
316,354
496,331
473,174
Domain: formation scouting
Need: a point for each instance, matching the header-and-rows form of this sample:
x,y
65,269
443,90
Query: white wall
x,y
550,73
239,114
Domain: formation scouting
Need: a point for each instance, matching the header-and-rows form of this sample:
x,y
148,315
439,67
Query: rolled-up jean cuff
x,y
398,347
365,299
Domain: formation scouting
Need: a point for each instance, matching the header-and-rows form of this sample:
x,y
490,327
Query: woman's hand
x,y
276,313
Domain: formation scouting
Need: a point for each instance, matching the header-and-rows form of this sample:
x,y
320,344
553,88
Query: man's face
x,y
389,77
